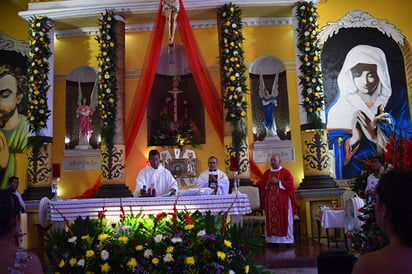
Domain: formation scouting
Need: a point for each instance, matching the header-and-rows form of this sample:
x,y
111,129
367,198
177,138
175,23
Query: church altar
x,y
234,205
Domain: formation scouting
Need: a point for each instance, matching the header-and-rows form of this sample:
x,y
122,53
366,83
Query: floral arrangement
x,y
107,96
180,242
231,63
38,70
310,77
398,154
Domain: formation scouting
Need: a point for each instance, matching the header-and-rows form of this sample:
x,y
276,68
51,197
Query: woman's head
x,y
394,202
374,58
9,213
365,77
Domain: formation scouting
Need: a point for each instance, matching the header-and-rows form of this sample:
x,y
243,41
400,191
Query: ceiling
x,y
73,14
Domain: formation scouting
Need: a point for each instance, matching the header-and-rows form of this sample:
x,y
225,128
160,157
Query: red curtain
x,y
204,83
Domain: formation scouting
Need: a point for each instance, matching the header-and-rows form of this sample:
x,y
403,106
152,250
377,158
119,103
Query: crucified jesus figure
x,y
170,10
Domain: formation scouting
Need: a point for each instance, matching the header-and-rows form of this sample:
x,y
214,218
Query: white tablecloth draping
x,y
71,209
331,218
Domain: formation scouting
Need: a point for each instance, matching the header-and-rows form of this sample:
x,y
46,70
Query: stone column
x,y
113,158
316,157
39,166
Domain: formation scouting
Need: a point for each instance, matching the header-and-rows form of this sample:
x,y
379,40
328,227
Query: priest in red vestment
x,y
279,202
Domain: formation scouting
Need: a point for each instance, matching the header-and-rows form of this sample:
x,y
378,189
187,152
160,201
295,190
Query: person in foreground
x,y
14,259
394,215
279,203
214,178
154,175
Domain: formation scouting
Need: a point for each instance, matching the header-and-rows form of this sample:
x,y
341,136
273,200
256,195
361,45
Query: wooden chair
x,y
257,215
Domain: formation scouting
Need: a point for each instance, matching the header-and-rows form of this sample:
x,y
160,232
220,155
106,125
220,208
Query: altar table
x,y
234,205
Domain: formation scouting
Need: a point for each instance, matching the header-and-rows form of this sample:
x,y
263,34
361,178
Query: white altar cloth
x,y
70,209
331,218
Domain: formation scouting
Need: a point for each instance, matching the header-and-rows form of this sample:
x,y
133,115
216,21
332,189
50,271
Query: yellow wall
x,y
264,40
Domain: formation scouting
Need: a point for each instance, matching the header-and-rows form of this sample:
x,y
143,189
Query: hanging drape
x,y
204,83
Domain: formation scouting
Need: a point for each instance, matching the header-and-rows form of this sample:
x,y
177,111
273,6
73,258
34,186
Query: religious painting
x,y
175,113
366,92
14,128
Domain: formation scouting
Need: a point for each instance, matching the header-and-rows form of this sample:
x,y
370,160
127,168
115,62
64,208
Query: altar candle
x,y
56,170
23,231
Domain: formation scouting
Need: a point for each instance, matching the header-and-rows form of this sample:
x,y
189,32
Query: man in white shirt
x,y
154,175
13,185
214,178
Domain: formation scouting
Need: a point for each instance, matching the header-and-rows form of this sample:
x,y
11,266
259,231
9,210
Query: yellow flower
x,y
243,114
190,260
247,268
42,101
232,78
103,237
105,267
132,263
123,239
310,109
111,100
189,227
307,99
307,79
232,9
235,97
72,261
155,261
61,264
315,58
35,71
227,243
227,23
221,255
85,237
89,253
170,249
138,247
36,92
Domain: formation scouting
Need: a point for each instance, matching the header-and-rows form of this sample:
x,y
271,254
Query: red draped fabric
x,y
143,90
204,83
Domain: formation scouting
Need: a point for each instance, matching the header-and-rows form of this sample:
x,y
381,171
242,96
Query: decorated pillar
x,y
111,105
316,158
40,116
234,91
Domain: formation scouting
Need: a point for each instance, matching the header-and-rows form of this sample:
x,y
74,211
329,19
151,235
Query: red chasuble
x,y
275,201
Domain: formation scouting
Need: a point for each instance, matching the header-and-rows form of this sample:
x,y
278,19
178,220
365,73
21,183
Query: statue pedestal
x,y
263,150
83,147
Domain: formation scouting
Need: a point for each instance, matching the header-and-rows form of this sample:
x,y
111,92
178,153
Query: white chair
x,y
257,216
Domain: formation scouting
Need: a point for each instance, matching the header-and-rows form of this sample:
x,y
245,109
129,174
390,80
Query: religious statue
x,y
84,113
269,102
170,10
177,108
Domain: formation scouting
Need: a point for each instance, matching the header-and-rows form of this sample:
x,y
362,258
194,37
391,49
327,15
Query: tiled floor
x,y
302,258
